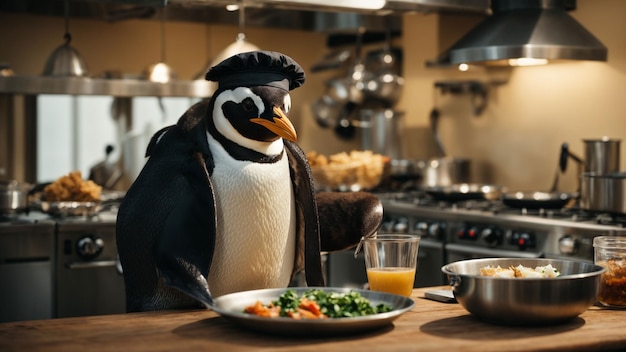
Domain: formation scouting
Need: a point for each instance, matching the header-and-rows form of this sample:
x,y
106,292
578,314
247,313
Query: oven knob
x,y
421,228
89,247
437,230
470,233
523,240
402,226
491,236
568,245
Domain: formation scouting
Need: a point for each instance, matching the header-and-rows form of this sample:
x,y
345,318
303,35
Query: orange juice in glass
x,y
391,261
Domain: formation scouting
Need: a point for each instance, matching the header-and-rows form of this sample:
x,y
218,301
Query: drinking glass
x,y
391,261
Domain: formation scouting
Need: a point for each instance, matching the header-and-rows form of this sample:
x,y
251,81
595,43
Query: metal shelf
x,y
34,85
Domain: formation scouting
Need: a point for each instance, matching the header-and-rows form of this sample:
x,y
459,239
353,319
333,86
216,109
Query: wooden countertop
x,y
428,326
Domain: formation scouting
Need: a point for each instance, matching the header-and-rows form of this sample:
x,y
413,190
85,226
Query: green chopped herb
x,y
332,304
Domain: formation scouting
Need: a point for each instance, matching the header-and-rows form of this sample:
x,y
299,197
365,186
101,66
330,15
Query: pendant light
x,y
241,45
160,72
65,61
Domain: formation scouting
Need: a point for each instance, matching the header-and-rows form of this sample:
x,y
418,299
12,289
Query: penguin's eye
x,y
248,105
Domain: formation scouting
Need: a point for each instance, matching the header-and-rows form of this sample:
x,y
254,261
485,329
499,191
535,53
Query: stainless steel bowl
x,y
524,301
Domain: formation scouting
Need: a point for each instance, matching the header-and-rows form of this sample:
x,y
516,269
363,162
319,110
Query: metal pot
x,y
604,192
430,173
13,197
524,301
602,155
446,171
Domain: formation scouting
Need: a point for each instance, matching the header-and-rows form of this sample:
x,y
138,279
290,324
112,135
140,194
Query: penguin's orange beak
x,y
280,125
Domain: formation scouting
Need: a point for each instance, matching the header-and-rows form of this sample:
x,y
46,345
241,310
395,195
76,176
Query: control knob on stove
x,y
89,246
568,245
492,236
470,232
421,228
436,230
523,240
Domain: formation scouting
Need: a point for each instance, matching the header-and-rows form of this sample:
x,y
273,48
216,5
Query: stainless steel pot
x,y
13,197
602,155
430,173
603,192
524,301
446,171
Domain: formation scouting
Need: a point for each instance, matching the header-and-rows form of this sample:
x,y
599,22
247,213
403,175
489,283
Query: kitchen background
x,y
515,142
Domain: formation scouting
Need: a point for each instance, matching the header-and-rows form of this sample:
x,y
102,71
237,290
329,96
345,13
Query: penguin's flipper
x,y
308,235
345,217
184,251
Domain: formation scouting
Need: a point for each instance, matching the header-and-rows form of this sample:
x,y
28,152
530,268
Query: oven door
x,y
456,252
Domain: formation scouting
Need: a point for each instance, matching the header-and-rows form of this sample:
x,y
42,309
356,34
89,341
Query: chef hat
x,y
257,68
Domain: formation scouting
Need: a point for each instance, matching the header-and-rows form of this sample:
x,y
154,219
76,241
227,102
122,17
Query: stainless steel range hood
x,y
521,32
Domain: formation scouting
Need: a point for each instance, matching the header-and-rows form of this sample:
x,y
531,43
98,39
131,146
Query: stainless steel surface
x,y
33,85
524,301
604,192
602,155
89,276
231,307
26,269
527,29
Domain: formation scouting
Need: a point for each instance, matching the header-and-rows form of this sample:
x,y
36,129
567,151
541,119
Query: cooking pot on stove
x,y
604,192
13,197
433,172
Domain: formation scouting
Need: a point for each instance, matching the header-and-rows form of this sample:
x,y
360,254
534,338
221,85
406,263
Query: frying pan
x,y
538,200
464,191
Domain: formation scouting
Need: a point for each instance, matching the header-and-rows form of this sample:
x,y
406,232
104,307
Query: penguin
x,y
226,200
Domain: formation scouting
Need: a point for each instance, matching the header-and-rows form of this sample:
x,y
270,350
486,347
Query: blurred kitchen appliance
x,y
457,230
603,186
26,268
59,267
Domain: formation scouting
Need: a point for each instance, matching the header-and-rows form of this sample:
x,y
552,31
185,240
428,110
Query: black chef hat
x,y
257,68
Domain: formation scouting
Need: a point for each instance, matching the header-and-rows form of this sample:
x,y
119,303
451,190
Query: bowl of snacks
x,y
70,195
522,291
353,171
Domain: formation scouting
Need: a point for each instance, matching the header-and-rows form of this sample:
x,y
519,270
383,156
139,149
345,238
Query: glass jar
x,y
610,253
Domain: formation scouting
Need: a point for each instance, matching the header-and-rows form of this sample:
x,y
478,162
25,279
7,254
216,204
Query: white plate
x,y
231,307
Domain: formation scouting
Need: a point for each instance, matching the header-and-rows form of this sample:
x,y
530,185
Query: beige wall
x,y
514,143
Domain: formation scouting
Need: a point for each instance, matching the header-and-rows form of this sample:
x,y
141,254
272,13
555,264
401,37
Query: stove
x,y
488,228
456,230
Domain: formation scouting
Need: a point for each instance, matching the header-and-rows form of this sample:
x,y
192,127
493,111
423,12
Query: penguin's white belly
x,y
255,242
